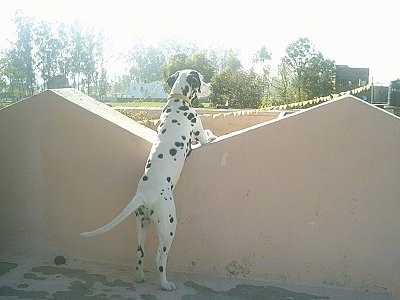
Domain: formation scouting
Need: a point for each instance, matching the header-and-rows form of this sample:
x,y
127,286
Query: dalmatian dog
x,y
154,201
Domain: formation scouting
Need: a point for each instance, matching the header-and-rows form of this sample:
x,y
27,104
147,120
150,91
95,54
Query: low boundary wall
x,y
220,121
312,197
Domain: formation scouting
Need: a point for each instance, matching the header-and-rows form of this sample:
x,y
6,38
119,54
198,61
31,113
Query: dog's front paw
x,y
168,286
210,136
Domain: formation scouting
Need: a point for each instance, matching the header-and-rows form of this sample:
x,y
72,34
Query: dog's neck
x,y
180,96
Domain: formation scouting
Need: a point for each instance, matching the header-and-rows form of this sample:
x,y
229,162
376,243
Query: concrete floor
x,y
33,278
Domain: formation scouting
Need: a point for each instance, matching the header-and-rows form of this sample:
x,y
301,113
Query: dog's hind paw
x,y
140,278
168,286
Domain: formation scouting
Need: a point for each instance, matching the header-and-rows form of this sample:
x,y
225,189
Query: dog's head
x,y
189,83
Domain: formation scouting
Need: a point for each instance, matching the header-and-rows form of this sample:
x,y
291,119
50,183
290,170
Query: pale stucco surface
x,y
312,197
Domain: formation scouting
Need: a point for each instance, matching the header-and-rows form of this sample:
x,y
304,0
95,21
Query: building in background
x,y
347,78
151,90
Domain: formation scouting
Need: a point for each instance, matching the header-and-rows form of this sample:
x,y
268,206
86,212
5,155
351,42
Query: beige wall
x,y
313,197
220,121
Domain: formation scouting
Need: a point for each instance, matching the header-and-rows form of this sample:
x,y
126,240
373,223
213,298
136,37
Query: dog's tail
x,y
130,208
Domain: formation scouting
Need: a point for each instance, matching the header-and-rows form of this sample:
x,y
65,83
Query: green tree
x,y
86,57
318,77
231,60
146,63
104,86
92,60
64,62
298,56
76,54
261,61
121,85
283,89
262,56
21,55
198,62
238,89
13,77
174,63
48,52
313,74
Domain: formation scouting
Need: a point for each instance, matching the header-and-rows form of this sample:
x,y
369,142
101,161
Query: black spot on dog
x,y
171,79
184,107
140,261
161,269
197,133
194,120
194,80
171,220
171,233
179,144
151,212
190,116
163,131
160,155
145,178
169,179
185,114
172,151
164,249
176,100
183,137
174,121
148,165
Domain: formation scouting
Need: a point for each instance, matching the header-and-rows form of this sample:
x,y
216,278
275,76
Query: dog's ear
x,y
194,80
171,79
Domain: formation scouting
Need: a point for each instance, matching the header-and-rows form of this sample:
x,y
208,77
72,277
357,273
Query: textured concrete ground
x,y
33,278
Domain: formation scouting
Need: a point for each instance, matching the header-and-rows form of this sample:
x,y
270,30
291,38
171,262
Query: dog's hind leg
x,y
142,224
166,226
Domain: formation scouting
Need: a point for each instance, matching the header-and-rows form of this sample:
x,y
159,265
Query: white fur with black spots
x,y
154,201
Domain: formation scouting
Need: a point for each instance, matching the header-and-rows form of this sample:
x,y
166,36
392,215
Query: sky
x,y
356,33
